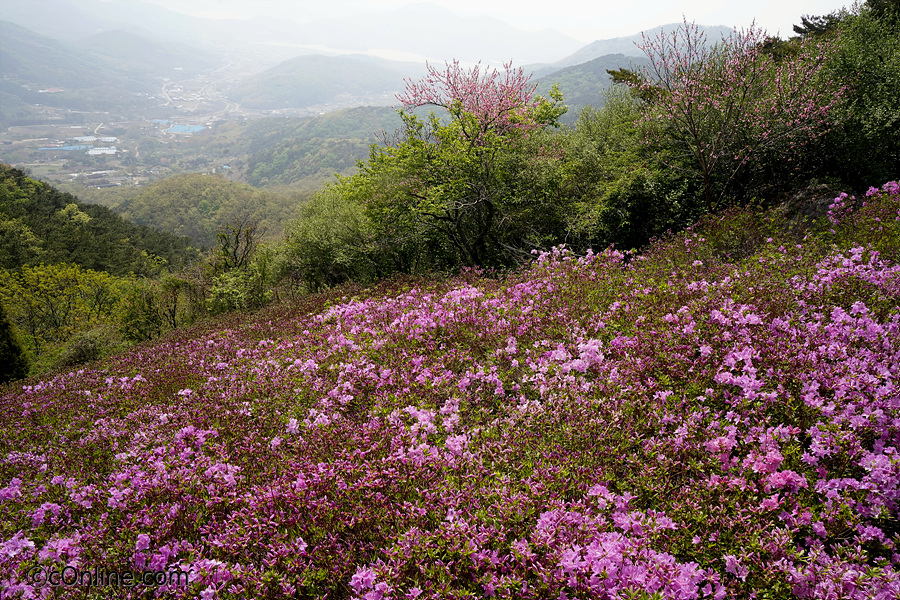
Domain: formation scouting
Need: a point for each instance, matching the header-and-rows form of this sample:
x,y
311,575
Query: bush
x,y
247,289
875,222
51,303
327,244
716,111
87,346
645,204
863,146
141,317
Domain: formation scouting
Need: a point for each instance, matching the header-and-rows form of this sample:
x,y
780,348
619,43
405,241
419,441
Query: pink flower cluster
x,y
500,101
685,425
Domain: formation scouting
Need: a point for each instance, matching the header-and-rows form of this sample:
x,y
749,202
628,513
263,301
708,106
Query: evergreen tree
x,y
13,362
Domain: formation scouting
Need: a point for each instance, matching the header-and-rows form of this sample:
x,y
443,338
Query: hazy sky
x,y
585,20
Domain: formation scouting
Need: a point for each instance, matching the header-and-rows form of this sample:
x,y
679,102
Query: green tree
x,y
200,206
240,289
452,188
18,244
40,224
141,316
13,360
50,303
237,243
615,193
863,148
719,111
329,241
181,299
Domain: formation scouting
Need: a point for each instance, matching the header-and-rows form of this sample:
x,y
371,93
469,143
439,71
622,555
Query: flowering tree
x,y
458,184
712,109
502,102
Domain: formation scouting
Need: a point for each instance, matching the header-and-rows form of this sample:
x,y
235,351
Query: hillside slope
x,y
312,80
39,224
584,84
200,206
718,416
299,152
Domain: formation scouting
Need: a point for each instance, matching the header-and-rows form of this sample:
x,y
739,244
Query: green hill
x,y
37,61
584,84
296,152
199,206
108,71
312,80
321,146
129,52
39,224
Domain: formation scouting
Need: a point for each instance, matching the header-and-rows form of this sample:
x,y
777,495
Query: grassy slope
x,y
721,414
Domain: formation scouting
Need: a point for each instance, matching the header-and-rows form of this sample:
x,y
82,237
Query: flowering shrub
x,y
686,425
715,109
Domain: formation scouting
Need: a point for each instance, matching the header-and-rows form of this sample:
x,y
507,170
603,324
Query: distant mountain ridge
x,y
106,55
584,84
409,31
423,29
313,80
625,45
115,61
69,21
128,50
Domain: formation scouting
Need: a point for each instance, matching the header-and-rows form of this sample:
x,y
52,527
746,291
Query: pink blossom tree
x,y
498,101
460,183
714,108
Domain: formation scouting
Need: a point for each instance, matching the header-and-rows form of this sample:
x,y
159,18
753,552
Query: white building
x,y
99,151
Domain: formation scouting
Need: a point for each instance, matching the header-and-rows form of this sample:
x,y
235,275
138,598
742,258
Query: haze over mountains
x,y
97,55
140,80
411,33
408,32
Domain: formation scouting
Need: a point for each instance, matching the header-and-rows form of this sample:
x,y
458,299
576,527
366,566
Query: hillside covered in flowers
x,y
716,417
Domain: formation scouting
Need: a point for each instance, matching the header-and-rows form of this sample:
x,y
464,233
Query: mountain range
x,y
99,55
408,31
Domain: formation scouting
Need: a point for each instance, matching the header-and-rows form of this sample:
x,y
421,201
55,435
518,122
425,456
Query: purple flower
x,y
734,566
363,579
16,545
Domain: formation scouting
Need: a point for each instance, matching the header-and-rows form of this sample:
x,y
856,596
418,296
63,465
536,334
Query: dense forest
x,y
39,224
199,207
65,265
